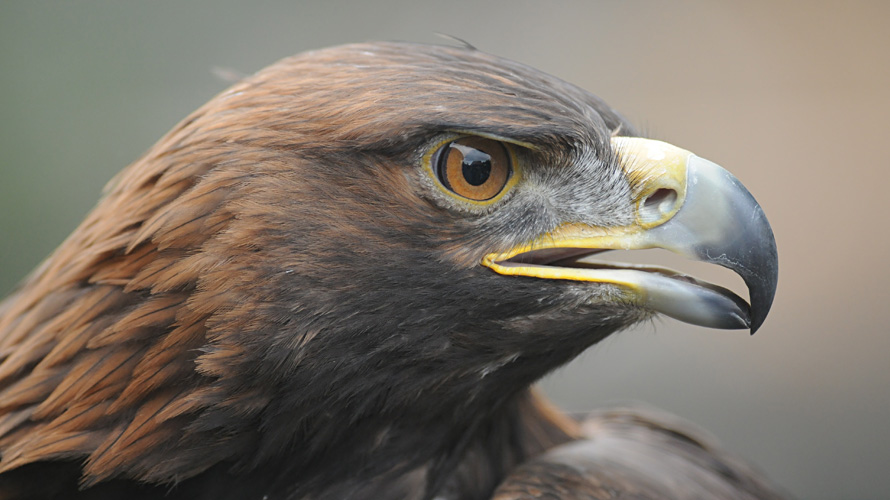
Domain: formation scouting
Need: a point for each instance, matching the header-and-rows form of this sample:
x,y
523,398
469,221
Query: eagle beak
x,y
682,203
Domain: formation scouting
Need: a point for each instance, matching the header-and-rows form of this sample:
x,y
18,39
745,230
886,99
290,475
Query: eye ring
x,y
475,168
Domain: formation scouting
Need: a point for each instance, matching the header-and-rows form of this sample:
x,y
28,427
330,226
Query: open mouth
x,y
665,290
587,258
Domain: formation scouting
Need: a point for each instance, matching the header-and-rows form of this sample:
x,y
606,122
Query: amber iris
x,y
473,167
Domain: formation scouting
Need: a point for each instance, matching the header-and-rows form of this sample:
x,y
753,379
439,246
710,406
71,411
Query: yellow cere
x,y
653,168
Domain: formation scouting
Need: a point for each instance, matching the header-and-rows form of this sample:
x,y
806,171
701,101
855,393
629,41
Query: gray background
x,y
792,97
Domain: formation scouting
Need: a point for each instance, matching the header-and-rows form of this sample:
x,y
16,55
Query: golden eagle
x,y
339,278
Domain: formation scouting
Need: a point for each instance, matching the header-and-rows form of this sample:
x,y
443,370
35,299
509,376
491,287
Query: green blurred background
x,y
792,97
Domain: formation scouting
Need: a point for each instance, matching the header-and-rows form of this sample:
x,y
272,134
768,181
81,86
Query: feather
x,y
280,299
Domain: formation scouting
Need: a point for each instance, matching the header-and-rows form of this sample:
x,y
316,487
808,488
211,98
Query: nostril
x,y
658,205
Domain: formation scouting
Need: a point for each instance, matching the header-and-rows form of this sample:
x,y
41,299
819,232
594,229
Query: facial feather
x,y
275,278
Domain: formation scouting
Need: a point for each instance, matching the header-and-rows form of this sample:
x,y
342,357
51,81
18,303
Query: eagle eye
x,y
475,168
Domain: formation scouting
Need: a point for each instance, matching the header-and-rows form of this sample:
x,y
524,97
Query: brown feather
x,y
273,298
637,455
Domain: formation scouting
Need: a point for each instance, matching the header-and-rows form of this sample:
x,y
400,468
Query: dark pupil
x,y
476,167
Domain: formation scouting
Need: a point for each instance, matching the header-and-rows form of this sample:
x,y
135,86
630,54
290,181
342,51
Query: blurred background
x,y
791,97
